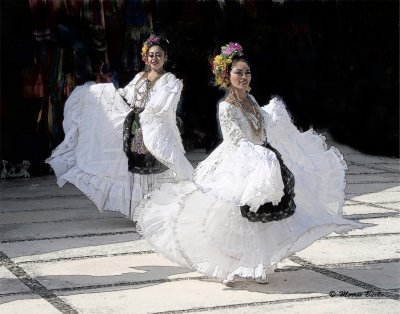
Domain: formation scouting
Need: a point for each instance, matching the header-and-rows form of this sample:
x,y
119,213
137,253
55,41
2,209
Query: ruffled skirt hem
x,y
193,225
106,193
198,231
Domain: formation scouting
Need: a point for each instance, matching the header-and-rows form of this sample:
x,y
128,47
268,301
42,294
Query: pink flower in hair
x,y
153,39
220,64
231,49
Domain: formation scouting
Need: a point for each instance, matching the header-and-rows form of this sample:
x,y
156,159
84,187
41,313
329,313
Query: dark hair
x,y
163,43
235,60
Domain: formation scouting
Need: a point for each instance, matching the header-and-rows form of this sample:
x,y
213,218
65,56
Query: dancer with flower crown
x,y
266,192
110,131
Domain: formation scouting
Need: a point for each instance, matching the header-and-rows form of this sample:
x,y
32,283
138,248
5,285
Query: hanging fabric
x,y
33,82
43,14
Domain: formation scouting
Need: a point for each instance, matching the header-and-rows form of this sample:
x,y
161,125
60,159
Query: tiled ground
x,y
59,254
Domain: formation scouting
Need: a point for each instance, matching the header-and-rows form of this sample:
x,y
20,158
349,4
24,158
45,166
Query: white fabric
x,y
160,133
239,170
91,156
199,225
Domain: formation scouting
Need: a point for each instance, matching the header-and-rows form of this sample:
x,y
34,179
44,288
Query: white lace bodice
x,y
235,131
158,121
135,100
235,127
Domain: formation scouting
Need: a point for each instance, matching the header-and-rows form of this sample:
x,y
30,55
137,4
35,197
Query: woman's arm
x,y
160,133
165,96
128,92
228,118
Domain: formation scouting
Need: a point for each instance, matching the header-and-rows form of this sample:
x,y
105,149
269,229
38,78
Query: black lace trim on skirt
x,y
285,208
138,163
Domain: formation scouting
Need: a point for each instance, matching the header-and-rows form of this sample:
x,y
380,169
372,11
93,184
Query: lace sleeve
x,y
165,97
128,92
229,122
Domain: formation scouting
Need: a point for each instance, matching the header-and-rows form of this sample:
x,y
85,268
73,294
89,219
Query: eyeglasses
x,y
154,55
240,73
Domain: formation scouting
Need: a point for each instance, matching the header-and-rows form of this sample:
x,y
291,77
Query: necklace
x,y
250,111
142,90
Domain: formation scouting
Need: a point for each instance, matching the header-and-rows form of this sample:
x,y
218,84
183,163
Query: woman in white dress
x,y
265,193
110,131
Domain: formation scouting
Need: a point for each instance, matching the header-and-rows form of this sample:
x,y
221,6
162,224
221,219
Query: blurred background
x,y
334,63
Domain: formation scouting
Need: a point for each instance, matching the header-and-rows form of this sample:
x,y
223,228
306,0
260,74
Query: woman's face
x,y
240,75
156,58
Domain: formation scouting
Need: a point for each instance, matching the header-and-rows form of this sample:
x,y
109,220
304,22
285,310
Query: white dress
x,y
91,156
199,224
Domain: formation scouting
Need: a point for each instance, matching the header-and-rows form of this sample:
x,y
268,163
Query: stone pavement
x,y
59,254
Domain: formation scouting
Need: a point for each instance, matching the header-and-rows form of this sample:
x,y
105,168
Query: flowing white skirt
x,y
201,227
91,157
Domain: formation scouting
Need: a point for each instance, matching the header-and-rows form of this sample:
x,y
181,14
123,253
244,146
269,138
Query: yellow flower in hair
x,y
218,59
222,61
145,49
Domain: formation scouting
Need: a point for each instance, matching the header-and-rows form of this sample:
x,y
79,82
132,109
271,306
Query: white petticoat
x,y
91,156
199,224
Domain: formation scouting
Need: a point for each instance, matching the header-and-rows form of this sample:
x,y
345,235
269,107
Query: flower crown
x,y
222,61
153,40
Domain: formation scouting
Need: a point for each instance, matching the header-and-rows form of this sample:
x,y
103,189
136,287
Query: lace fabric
x,y
235,126
285,208
152,141
200,224
92,156
241,170
232,120
140,160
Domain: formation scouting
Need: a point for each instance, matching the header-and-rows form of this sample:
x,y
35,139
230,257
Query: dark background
x,y
334,63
